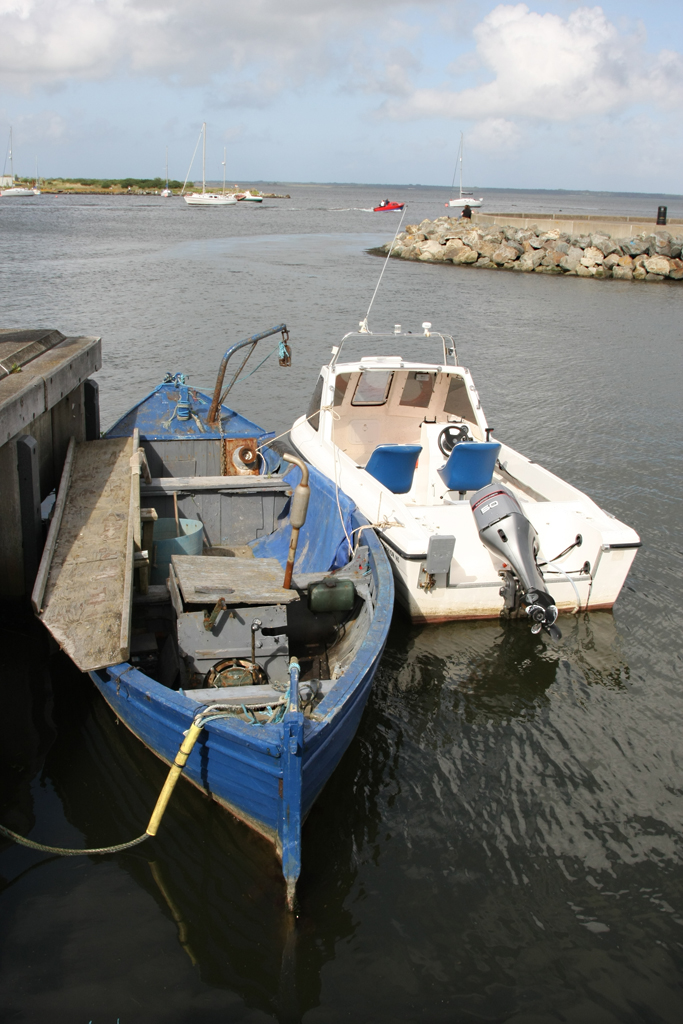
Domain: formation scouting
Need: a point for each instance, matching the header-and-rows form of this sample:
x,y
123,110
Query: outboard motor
x,y
506,531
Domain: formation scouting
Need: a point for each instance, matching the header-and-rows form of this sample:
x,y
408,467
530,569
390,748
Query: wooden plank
x,y
53,532
169,484
133,543
86,604
239,580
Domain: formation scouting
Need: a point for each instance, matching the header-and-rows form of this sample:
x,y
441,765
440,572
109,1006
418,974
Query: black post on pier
x,y
661,214
28,470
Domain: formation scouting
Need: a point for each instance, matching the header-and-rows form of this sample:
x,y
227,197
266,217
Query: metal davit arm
x,y
215,404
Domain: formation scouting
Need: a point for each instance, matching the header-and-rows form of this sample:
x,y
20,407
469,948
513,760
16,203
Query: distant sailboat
x,y
166,191
205,198
16,190
465,197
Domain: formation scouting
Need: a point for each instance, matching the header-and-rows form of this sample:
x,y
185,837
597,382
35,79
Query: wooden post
x,y
28,471
148,517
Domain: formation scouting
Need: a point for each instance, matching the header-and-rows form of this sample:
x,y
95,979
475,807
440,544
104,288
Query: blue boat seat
x,y
394,465
470,466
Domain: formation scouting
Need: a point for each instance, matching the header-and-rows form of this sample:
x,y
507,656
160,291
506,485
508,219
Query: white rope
x,y
556,568
323,408
364,324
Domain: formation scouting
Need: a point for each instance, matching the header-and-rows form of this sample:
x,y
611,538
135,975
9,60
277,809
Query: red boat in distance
x,y
386,205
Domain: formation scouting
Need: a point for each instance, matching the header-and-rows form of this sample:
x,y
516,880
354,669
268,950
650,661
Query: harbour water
x,y
503,839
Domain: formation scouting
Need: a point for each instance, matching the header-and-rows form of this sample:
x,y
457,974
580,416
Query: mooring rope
x,y
184,751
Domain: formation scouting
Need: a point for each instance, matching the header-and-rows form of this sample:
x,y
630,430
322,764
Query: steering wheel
x,y
450,436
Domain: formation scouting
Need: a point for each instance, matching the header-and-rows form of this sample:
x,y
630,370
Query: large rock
x,y
452,246
660,247
552,259
504,254
432,251
534,242
622,273
634,246
612,260
591,256
472,238
658,265
605,244
465,255
639,273
530,260
486,247
676,271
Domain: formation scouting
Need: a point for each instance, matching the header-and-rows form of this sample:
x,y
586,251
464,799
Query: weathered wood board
x,y
87,599
239,580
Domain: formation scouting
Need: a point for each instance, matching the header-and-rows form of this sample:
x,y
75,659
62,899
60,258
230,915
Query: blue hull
x,y
269,776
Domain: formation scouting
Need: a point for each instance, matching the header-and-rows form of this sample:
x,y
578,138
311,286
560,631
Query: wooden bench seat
x,y
255,581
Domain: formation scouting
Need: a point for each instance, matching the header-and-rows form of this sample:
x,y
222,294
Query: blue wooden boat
x,y
280,675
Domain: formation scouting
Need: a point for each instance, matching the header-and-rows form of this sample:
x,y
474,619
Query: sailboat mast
x,y
167,167
204,158
461,145
11,159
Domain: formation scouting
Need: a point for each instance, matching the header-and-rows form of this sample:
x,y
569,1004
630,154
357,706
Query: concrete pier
x,y
579,224
45,399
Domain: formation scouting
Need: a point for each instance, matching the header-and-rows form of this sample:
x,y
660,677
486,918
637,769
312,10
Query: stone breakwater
x,y
647,257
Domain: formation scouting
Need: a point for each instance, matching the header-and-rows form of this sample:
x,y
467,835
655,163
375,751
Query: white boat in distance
x,y
465,197
166,192
17,190
205,198
472,528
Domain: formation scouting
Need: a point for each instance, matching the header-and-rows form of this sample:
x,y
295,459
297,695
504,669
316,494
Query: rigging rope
x,y
364,325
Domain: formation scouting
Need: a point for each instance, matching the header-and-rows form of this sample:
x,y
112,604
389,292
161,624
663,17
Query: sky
x,y
548,93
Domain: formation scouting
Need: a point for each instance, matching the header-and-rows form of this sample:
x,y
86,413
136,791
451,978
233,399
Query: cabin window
x,y
372,387
314,405
417,390
458,400
341,383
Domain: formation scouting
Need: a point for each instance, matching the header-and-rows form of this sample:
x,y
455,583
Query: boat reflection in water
x,y
215,877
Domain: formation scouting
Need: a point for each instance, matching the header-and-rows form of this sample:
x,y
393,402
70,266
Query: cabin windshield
x,y
388,407
418,347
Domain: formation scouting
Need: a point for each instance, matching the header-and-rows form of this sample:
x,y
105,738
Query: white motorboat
x,y
205,198
465,197
17,190
472,528
248,197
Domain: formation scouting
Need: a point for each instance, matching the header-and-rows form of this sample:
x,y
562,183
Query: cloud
x,y
45,42
547,68
495,135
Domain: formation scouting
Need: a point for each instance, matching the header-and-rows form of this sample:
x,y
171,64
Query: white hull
x,y
595,570
472,203
17,191
209,199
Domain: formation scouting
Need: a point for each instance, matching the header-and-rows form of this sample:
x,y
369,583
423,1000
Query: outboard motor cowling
x,y
506,531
